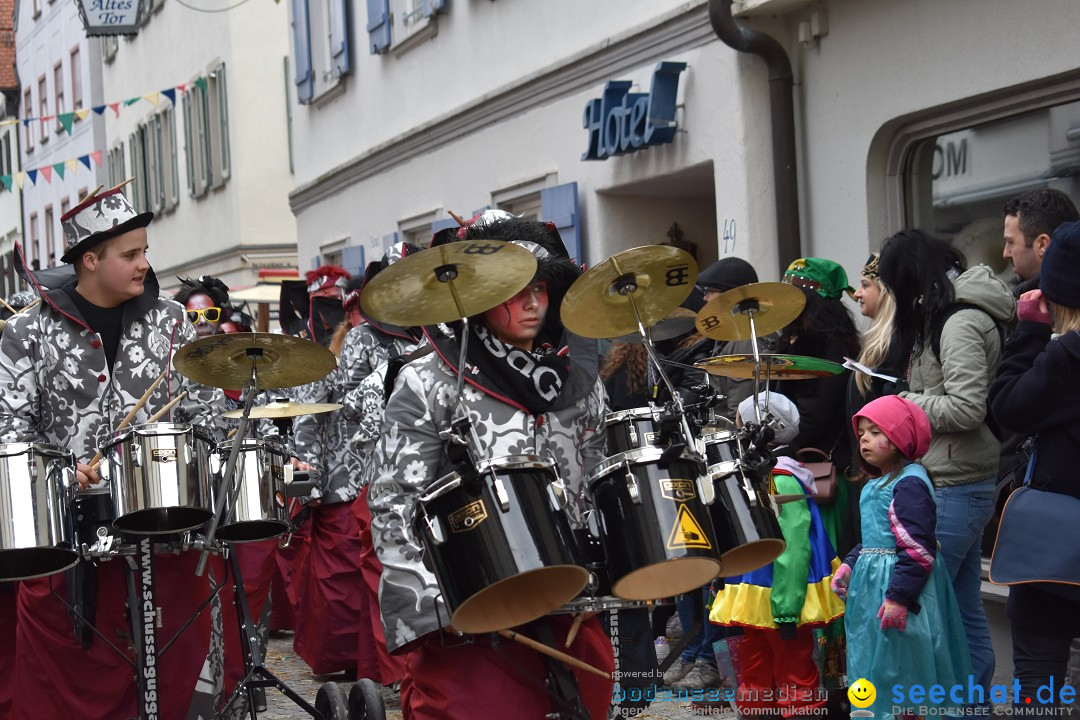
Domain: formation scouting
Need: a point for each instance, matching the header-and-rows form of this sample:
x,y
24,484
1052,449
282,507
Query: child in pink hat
x,y
900,601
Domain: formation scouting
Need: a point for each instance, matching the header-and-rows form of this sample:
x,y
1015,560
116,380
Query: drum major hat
x,y
97,219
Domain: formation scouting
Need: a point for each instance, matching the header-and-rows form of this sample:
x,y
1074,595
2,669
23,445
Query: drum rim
x,y
171,430
452,480
725,434
269,440
631,413
49,449
637,456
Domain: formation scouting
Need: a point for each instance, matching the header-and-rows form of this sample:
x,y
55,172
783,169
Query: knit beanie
x,y
1060,274
727,274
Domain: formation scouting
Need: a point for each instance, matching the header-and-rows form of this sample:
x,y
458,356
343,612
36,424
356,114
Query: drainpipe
x,y
782,109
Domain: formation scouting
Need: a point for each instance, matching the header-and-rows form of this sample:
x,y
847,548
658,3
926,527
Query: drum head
x,y
750,557
163,520
34,562
251,531
520,599
665,579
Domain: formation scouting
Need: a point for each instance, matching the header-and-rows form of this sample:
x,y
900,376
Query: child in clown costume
x,y
779,605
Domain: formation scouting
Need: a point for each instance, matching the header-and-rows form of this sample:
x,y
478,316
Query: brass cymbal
x,y
773,367
657,277
412,291
224,361
679,322
283,409
777,304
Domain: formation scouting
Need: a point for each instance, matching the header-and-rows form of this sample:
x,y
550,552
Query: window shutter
x,y
389,240
559,205
433,6
316,262
352,259
305,77
378,25
339,37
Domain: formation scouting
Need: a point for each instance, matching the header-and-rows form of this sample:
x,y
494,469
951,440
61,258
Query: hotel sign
x,y
622,122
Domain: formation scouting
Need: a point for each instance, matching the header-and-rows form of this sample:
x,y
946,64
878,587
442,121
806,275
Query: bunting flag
x,y
20,178
32,174
82,114
202,84
66,119
171,94
96,155
6,179
71,164
153,98
61,169
115,108
46,171
131,101
85,160
98,109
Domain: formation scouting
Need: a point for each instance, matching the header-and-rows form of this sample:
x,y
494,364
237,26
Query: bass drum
x,y
37,533
655,528
500,544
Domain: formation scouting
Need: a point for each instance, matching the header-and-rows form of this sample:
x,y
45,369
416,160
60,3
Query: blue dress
x,y
932,649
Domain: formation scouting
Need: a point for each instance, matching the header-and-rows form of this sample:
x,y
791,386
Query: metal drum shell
x,y
631,429
259,510
159,475
648,551
37,531
747,529
500,565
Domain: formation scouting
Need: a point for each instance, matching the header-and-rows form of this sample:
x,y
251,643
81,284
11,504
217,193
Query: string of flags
x,y
47,171
67,120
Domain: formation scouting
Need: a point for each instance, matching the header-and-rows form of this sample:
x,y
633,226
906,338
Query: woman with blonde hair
x,y
875,302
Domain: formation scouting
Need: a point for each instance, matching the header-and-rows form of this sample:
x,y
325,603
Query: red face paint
x,y
518,321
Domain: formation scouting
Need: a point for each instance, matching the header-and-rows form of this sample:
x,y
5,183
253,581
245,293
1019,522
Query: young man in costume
x,y
70,370
531,388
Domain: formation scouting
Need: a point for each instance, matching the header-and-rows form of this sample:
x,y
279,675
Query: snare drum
x,y
37,534
631,429
159,477
259,511
747,529
501,546
720,448
655,527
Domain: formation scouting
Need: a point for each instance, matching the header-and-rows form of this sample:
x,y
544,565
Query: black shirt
x,y
106,322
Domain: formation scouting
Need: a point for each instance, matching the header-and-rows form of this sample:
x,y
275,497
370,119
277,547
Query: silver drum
x,y
159,475
37,532
259,510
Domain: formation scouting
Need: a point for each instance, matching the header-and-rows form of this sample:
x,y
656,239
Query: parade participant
x,y
236,321
780,603
206,301
473,676
70,369
900,601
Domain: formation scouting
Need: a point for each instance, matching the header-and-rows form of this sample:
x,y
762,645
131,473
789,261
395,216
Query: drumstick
x,y
552,652
232,433
13,310
457,217
172,403
27,307
578,619
138,405
91,194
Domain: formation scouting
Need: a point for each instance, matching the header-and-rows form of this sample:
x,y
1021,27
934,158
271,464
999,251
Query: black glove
x,y
894,388
788,630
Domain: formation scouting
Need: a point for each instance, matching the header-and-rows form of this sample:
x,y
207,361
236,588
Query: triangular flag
x,y
32,174
97,157
66,119
26,123
182,87
153,97
47,118
6,179
10,122
72,165
99,109
115,108
83,114
47,172
202,84
171,94
131,101
59,168
20,178
85,160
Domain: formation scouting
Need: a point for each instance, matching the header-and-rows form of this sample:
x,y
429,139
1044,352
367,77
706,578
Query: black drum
x,y
655,528
631,429
746,526
501,546
721,450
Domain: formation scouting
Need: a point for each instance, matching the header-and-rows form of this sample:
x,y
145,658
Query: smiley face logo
x,y
862,693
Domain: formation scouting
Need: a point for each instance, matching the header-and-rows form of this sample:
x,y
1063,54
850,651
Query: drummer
x,y
467,677
71,369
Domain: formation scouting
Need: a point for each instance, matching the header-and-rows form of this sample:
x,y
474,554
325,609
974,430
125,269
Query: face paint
x,y
519,320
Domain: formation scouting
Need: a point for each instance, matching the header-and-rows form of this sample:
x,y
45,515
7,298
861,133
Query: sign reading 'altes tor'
x,y
110,17
623,122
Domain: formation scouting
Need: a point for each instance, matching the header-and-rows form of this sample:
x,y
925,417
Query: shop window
x,y
956,182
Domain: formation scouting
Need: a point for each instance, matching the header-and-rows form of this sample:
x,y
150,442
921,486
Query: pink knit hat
x,y
902,421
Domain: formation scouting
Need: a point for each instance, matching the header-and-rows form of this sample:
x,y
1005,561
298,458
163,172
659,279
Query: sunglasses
x,y
210,314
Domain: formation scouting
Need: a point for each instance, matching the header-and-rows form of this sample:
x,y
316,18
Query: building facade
x,y
10,201
206,137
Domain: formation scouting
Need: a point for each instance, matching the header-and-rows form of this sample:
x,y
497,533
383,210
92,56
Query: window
x,y
154,158
219,125
206,133
109,45
43,104
955,183
117,170
170,168
137,153
32,251
5,156
37,9
50,236
65,205
320,45
28,110
58,90
412,21
76,79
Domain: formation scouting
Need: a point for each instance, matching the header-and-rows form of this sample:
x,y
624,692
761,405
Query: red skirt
x,y
375,661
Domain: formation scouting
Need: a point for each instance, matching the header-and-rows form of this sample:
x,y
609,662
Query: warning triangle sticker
x,y
687,532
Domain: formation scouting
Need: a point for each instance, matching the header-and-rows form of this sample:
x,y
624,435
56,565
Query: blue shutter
x,y
477,212
559,205
352,259
389,240
443,224
305,77
378,25
316,262
339,37
433,6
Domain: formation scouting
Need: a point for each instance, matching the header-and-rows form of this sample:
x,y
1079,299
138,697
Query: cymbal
x,y
777,305
773,367
484,273
657,277
224,361
679,322
283,409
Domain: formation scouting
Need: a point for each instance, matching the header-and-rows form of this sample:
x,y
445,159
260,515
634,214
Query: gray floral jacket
x,y
56,386
409,456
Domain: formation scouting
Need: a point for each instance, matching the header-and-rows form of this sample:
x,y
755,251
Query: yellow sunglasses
x,y
210,314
